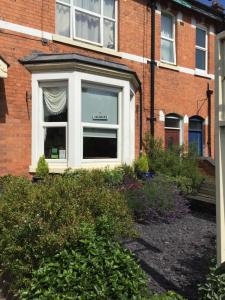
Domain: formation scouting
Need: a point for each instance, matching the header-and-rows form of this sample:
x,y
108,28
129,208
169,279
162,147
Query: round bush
x,y
95,268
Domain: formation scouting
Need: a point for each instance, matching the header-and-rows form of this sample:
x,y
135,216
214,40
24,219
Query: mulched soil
x,y
177,256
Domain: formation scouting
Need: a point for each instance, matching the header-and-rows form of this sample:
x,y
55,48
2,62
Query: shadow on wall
x,y
3,103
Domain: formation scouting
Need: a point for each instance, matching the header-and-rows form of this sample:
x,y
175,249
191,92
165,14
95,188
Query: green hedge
x,y
40,220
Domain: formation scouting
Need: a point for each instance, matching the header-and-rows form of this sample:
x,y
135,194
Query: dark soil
x,y
177,256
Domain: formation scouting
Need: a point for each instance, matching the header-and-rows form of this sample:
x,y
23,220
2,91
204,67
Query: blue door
x,y
195,135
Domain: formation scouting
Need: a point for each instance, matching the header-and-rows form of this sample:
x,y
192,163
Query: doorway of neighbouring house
x,y
195,136
172,131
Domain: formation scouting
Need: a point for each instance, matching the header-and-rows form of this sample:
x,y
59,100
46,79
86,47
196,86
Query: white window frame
x,y
202,49
117,127
173,40
73,10
44,124
180,128
126,130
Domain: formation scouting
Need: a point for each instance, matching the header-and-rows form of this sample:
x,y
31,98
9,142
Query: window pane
x,y
171,122
200,38
167,26
195,124
109,34
109,8
167,51
92,5
55,143
87,27
63,20
200,59
99,106
99,143
55,104
65,1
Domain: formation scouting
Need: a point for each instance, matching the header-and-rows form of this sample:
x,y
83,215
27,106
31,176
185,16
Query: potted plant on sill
x,y
141,166
42,170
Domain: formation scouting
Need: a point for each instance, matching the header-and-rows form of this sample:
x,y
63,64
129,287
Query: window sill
x,y
69,41
61,169
168,66
201,73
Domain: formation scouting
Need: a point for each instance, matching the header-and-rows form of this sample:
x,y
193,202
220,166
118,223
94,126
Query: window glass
x,y
195,124
55,104
66,1
167,26
172,122
99,143
167,50
109,8
200,38
99,106
109,34
200,59
55,143
63,20
87,27
92,5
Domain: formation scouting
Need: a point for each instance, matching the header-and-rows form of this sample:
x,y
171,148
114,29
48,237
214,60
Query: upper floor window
x,y
201,49
168,48
88,20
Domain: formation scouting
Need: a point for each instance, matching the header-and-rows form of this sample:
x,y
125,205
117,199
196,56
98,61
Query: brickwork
x,y
176,92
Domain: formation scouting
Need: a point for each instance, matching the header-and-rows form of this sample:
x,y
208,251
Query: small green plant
x,y
214,287
141,164
42,167
95,268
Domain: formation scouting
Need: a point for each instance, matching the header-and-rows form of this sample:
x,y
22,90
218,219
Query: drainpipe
x,y
152,5
209,94
140,115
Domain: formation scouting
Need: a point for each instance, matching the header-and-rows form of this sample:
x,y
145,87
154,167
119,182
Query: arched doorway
x,y
195,134
173,133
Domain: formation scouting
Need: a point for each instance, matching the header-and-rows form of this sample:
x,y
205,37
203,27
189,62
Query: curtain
x,y
109,34
92,5
87,27
63,20
55,99
109,9
167,50
167,26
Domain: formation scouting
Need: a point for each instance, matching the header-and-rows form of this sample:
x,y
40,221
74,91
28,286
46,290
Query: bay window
x,y
82,120
168,48
87,20
201,49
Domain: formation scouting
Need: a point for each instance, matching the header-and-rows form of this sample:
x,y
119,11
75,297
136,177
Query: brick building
x,y
78,80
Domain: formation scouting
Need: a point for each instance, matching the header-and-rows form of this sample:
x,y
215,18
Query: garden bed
x,y
176,256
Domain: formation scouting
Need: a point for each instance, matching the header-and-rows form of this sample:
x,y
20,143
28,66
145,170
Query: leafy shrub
x,y
167,296
184,184
42,167
95,268
157,199
40,220
214,287
174,162
141,164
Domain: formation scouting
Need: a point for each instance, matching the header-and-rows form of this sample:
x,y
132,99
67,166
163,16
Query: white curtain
x,y
63,20
109,34
87,27
167,26
55,99
92,5
109,9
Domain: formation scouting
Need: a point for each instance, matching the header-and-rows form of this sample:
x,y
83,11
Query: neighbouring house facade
x,y
81,81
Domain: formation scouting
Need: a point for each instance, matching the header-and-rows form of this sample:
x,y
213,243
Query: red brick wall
x,y
176,92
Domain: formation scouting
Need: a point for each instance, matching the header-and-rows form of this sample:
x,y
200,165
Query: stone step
x,y
202,198
207,192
